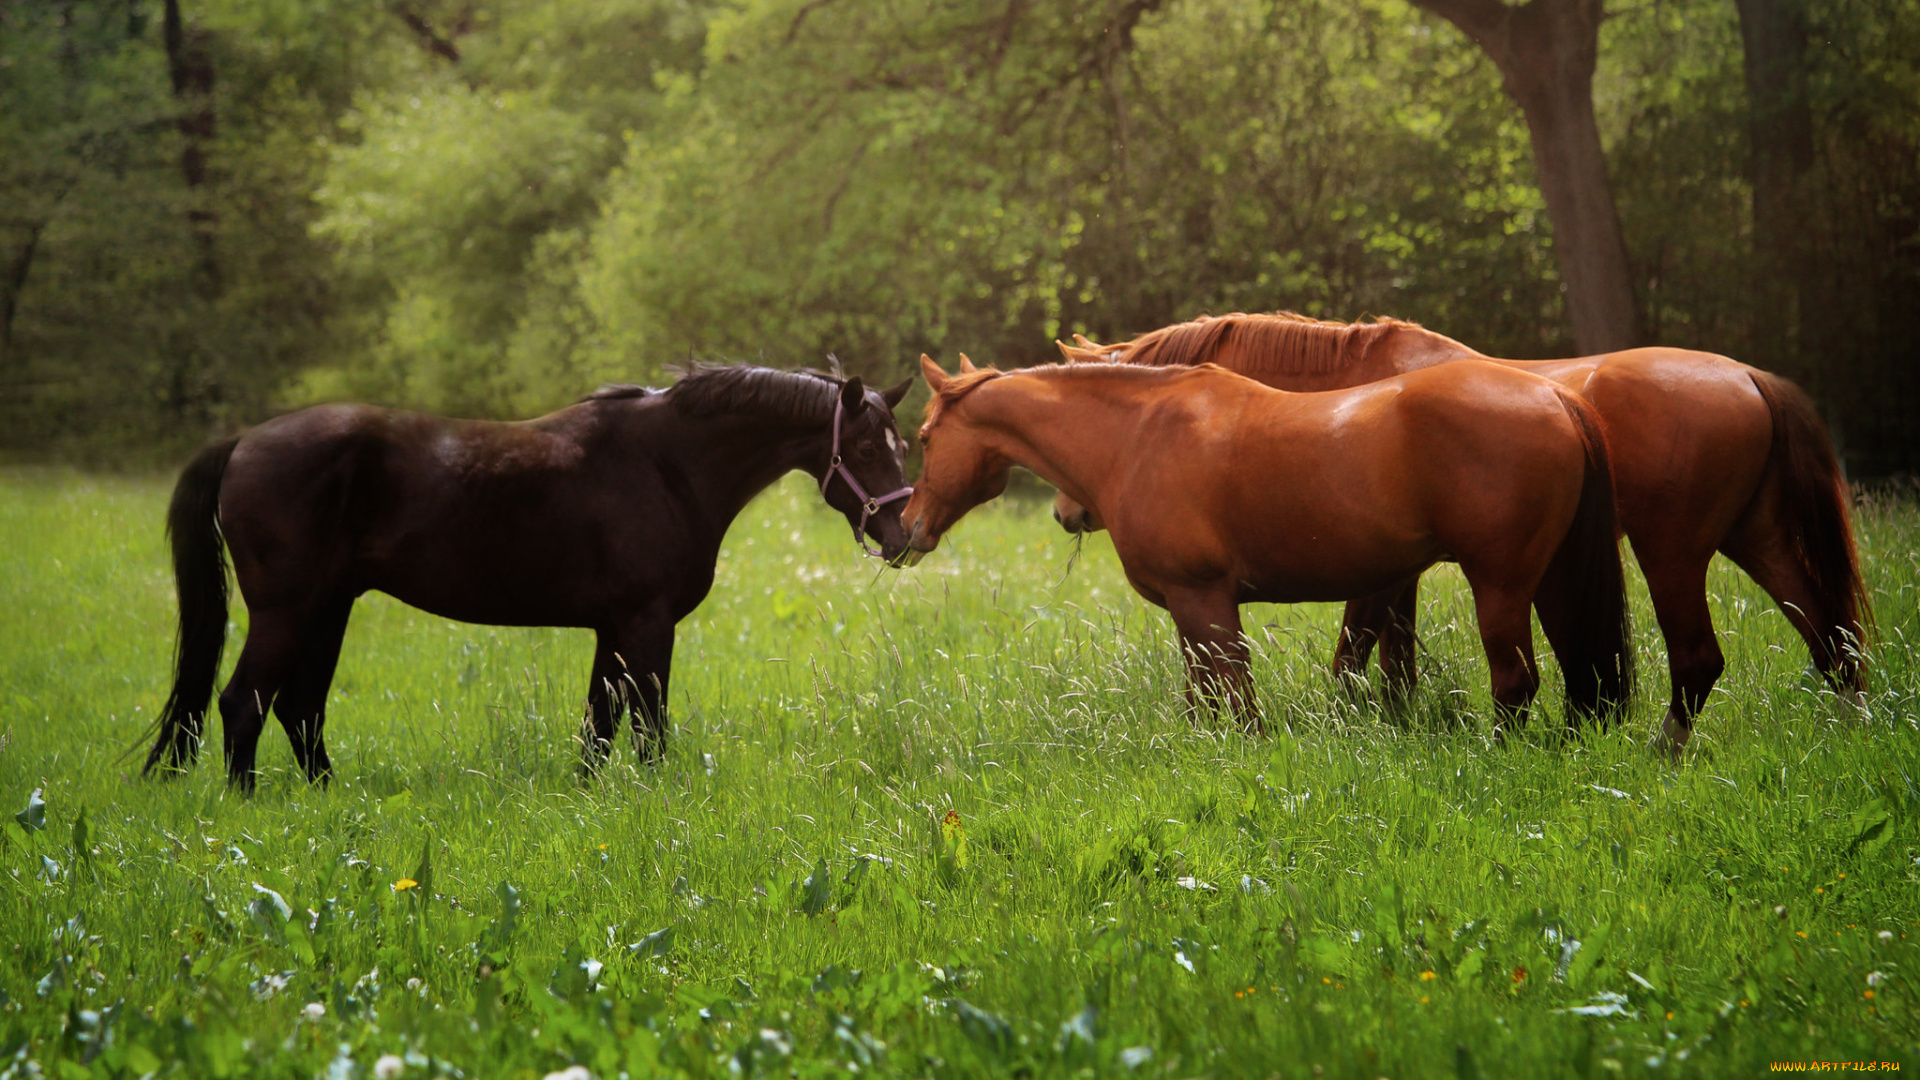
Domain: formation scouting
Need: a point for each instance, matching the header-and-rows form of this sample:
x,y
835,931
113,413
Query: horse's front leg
x,y
1385,619
1218,670
645,652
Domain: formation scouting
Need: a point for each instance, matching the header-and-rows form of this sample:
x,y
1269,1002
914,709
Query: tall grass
x,y
1122,889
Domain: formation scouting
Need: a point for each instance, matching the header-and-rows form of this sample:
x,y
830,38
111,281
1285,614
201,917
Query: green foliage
x,y
1143,890
487,207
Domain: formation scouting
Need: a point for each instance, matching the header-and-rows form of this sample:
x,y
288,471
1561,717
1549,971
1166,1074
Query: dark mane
x,y
712,389
1282,343
619,391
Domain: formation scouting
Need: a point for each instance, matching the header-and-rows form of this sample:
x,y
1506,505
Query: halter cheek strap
x,y
869,504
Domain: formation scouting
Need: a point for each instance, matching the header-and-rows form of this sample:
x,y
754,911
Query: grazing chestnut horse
x,y
1220,491
1708,455
606,515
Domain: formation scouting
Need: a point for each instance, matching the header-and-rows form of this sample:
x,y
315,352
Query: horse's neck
x,y
730,458
1073,432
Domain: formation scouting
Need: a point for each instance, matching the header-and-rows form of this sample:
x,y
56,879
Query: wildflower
x,y
1886,935
1326,980
388,1067
1875,978
314,1010
1868,994
1424,999
1818,889
1426,976
1843,877
1669,1014
404,884
1802,933
603,847
571,1072
1519,975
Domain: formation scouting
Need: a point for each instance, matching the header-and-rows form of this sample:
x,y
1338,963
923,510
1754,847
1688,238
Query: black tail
x,y
1813,502
1583,599
200,579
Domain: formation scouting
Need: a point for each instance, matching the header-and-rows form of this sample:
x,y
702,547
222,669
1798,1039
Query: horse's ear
x,y
853,396
1081,340
894,395
966,365
931,372
1067,353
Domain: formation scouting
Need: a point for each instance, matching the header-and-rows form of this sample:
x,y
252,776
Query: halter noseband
x,y
869,505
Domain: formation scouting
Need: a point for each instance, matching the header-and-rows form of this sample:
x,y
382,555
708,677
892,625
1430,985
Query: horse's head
x,y
959,470
865,477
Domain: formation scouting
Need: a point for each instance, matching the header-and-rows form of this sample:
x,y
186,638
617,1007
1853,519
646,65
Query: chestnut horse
x,y
1708,455
606,515
1220,491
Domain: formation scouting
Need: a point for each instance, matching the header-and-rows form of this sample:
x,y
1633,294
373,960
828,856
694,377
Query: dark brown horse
x,y
1220,491
606,515
1708,455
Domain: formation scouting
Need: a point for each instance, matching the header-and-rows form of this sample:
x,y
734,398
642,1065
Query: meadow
x,y
951,821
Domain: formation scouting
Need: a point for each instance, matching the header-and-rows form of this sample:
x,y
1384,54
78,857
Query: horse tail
x,y
1812,502
200,580
1595,647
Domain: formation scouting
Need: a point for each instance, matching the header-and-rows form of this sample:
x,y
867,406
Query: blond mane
x,y
1281,343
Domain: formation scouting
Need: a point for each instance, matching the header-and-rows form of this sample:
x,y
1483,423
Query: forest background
x,y
213,210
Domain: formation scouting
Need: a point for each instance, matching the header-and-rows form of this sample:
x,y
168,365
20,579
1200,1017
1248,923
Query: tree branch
x,y
430,38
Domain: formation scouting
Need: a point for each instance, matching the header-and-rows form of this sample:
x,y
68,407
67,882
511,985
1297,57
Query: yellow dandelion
x,y
1868,994
1239,993
1818,889
404,884
603,847
1426,976
1843,877
1802,933
1326,980
1424,999
1669,1015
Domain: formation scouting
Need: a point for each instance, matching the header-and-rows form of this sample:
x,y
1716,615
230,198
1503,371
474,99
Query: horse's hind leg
x,y
273,643
1760,548
302,704
1678,585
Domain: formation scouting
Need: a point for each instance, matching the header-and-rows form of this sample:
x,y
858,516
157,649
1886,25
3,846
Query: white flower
x,y
1886,935
1874,978
571,1072
314,1010
388,1067
413,984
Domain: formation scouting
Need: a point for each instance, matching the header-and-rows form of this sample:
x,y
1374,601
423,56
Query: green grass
x,y
1140,892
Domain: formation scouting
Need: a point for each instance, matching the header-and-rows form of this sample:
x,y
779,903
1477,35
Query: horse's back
x,y
1685,428
357,496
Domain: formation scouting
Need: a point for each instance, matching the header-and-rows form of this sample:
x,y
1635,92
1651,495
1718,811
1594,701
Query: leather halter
x,y
869,504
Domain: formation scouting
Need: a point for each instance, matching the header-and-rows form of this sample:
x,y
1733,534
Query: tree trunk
x,y
1787,285
1546,51
190,67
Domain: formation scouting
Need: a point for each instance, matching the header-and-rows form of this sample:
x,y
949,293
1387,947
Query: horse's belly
x,y
1304,584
